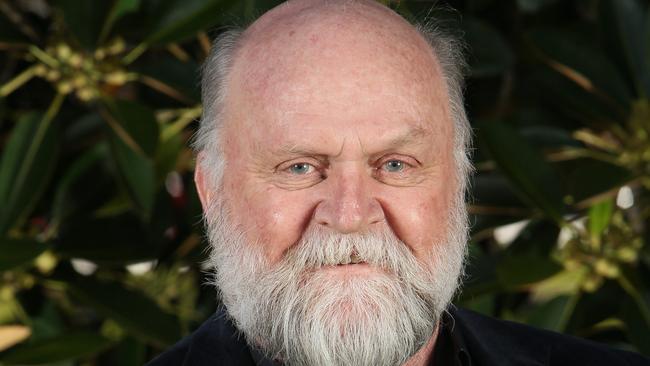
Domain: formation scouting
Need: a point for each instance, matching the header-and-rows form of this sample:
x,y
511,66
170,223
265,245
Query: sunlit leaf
x,y
12,334
564,283
599,216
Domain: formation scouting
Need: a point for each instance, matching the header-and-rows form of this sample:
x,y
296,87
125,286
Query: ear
x,y
201,180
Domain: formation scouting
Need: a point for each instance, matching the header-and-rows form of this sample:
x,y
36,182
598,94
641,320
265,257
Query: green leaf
x,y
490,53
132,310
532,6
84,19
80,183
28,161
177,20
62,348
9,33
110,240
563,283
18,252
517,271
585,178
532,176
136,126
624,26
119,9
599,216
636,325
571,56
134,139
575,101
555,314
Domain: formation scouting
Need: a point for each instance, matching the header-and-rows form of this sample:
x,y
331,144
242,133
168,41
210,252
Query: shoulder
x,y
215,342
507,343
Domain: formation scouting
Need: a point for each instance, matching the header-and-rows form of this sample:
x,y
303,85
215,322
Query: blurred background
x,y
101,244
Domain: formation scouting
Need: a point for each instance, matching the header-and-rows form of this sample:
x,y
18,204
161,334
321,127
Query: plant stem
x,y
18,81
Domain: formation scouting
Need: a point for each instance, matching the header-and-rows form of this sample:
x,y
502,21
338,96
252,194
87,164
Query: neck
x,y
424,356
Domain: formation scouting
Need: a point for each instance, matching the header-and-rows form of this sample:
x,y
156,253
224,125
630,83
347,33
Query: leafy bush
x,y
100,237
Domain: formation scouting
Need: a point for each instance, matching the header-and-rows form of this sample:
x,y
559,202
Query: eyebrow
x,y
415,135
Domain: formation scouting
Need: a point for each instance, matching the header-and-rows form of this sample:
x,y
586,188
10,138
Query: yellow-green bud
x,y
100,54
86,94
116,77
64,87
76,60
592,283
40,70
53,75
80,80
63,51
46,262
116,47
627,255
606,268
6,293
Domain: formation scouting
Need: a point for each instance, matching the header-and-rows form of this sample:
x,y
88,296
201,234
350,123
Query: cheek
x,y
421,220
420,216
270,218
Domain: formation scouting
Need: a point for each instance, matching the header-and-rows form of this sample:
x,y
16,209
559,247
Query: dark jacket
x,y
467,338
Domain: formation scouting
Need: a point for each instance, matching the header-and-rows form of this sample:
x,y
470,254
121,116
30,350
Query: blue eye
x,y
301,168
394,166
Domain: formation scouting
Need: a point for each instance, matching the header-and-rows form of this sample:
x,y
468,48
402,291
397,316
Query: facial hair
x,y
298,312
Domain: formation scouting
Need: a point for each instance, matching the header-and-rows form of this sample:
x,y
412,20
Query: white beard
x,y
297,312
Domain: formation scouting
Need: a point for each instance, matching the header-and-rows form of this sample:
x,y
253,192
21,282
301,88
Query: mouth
x,y
354,258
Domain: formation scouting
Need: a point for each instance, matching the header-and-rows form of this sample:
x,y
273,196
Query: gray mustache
x,y
320,247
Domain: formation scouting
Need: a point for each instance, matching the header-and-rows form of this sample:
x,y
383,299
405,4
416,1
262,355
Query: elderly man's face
x,y
351,133
337,231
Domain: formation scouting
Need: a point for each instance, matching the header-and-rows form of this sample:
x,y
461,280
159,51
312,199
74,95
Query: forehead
x,y
337,70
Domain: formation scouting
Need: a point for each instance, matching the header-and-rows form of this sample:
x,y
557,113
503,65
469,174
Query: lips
x,y
354,258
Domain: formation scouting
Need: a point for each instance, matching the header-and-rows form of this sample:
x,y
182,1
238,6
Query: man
x,y
332,167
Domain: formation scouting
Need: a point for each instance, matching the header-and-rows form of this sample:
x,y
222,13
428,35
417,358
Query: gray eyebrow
x,y
414,135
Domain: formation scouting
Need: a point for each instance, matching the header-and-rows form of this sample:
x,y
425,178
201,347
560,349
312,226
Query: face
x,y
362,144
336,233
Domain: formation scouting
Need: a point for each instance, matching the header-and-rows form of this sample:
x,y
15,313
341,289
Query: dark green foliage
x,y
100,233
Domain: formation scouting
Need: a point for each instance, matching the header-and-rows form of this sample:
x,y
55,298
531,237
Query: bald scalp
x,y
305,43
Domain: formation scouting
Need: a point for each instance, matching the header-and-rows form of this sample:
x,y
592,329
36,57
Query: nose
x,y
349,205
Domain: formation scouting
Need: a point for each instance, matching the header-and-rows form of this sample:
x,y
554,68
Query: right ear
x,y
201,179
